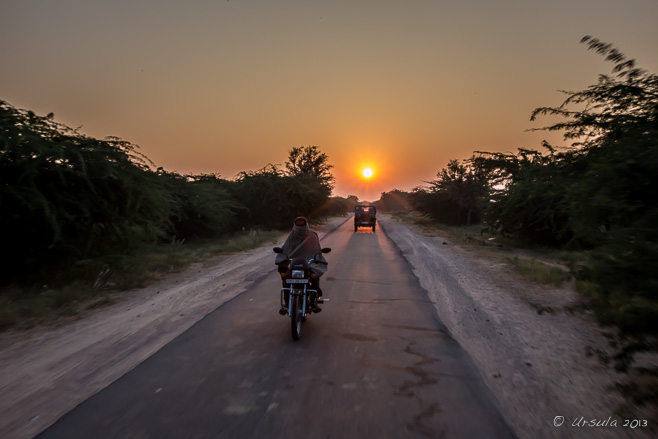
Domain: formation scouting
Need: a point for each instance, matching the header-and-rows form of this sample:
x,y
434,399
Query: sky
x,y
228,86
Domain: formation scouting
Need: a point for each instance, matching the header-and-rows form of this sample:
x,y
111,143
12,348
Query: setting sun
x,y
367,173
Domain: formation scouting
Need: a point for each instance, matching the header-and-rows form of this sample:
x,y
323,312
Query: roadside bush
x,y
598,195
66,197
457,195
273,199
438,205
335,206
394,201
532,206
202,206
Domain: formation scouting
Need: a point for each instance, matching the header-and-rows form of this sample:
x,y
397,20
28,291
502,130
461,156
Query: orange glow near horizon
x,y
227,87
367,175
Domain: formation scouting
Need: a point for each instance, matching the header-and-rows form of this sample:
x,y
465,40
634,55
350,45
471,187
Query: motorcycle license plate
x,y
296,281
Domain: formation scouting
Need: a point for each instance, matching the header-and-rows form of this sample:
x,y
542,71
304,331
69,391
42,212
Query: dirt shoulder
x,y
535,364
47,371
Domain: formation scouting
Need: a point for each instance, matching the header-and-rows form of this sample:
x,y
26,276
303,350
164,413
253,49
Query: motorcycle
x,y
297,298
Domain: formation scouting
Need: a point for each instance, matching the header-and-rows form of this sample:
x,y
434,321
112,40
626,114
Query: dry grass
x,y
539,272
26,306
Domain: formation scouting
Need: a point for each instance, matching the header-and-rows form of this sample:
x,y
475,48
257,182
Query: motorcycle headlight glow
x,y
298,274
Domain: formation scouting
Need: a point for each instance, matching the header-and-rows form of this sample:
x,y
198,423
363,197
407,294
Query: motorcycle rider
x,y
303,242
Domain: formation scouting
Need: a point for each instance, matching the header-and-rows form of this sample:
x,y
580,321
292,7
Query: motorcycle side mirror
x,y
326,250
277,250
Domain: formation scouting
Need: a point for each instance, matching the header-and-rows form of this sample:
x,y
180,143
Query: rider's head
x,y
300,226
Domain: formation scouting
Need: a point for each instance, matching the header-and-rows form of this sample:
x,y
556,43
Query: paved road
x,y
376,363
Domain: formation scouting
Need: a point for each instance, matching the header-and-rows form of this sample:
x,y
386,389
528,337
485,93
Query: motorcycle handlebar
x,y
324,250
309,261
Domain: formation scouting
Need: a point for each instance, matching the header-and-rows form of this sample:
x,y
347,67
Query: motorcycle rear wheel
x,y
296,316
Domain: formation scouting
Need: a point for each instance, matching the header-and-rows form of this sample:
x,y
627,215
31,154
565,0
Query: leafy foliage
x,y
530,206
308,160
72,205
275,199
600,195
67,197
394,201
458,193
336,206
202,205
437,205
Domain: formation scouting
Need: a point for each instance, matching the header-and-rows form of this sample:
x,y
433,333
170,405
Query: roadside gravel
x,y
536,365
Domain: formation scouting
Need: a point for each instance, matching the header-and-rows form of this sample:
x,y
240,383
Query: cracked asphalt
x,y
376,363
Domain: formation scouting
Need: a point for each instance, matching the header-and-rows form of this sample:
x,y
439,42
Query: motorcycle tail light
x,y
298,274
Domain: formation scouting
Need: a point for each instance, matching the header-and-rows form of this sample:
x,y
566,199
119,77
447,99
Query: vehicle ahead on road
x,y
365,216
296,296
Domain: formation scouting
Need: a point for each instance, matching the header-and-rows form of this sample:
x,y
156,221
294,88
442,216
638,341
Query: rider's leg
x,y
284,306
315,284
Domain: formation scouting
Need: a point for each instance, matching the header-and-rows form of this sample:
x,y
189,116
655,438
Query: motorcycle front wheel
x,y
296,316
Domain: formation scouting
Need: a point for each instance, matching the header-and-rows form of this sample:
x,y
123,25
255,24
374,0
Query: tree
x,y
527,199
600,194
466,184
201,205
394,201
273,199
66,198
603,183
308,160
614,107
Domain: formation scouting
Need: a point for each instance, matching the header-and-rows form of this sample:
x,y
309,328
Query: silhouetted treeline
x,y
69,201
393,201
599,195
